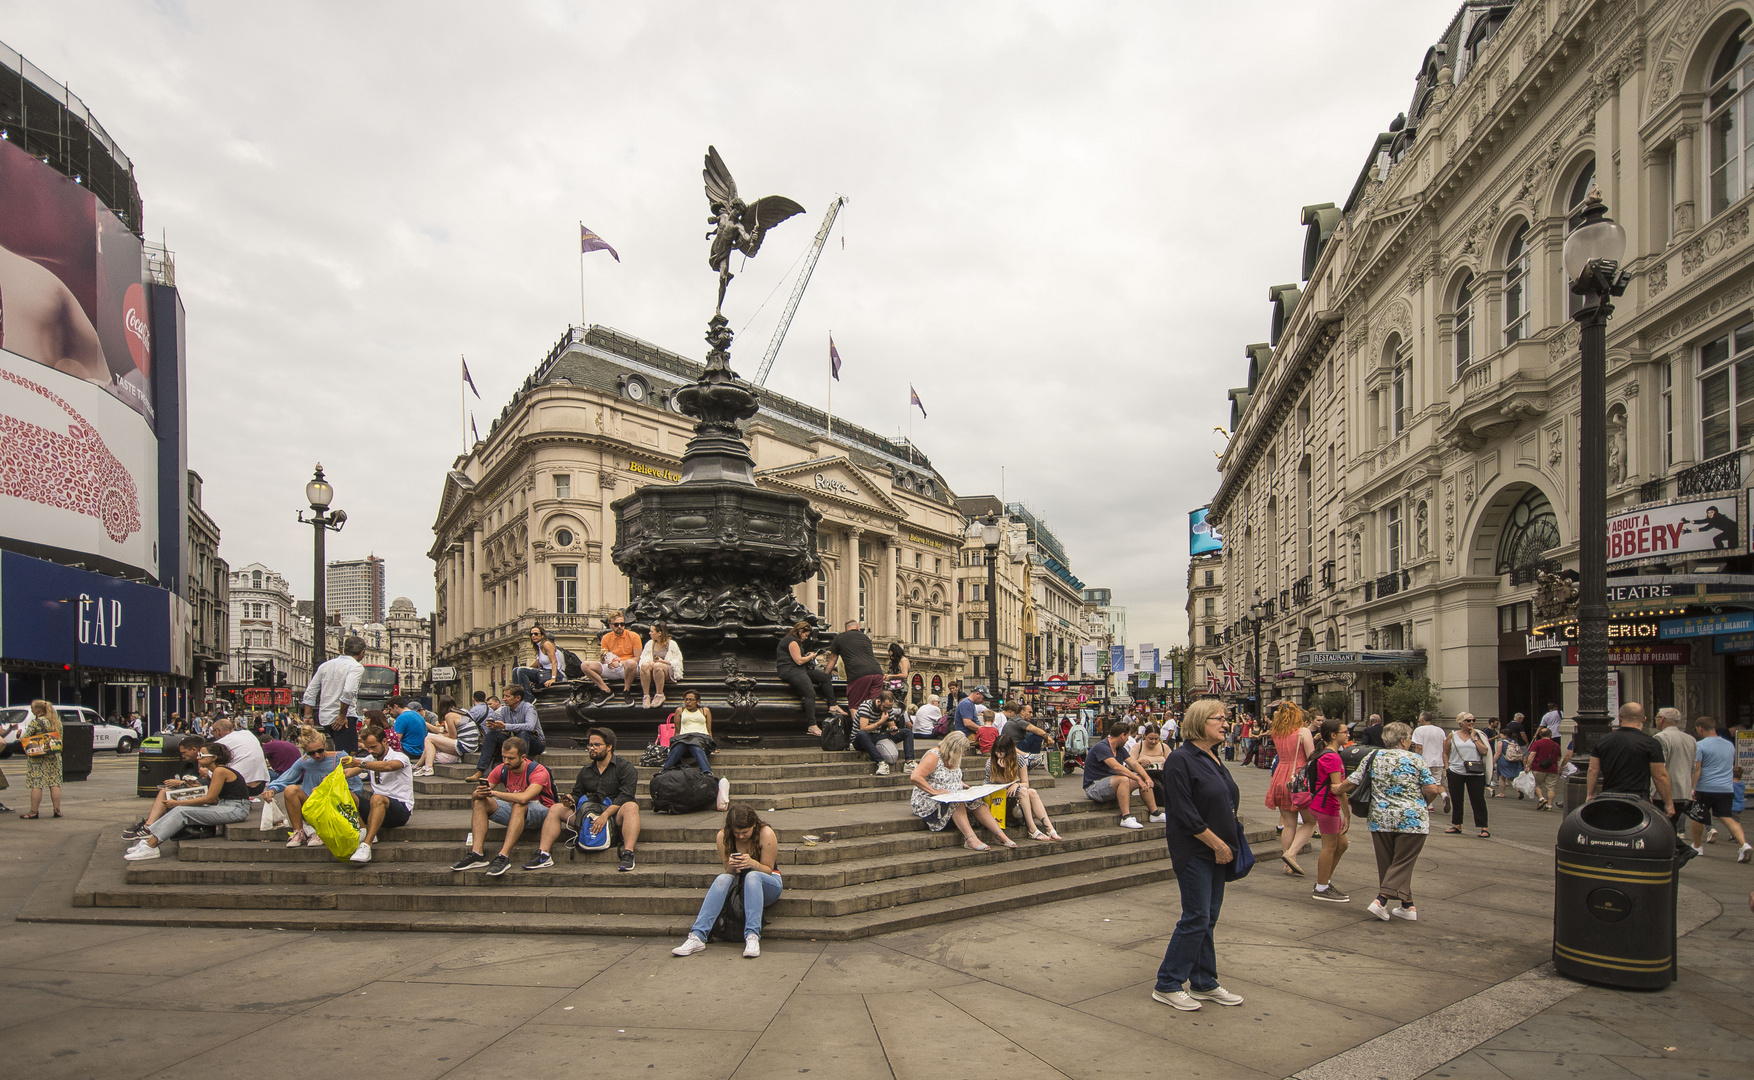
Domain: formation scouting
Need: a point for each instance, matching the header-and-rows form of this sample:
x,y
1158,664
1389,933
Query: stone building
x,y
1206,620
525,523
208,591
263,620
410,643
1404,461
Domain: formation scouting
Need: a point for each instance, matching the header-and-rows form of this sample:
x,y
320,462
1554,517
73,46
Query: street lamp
x,y
1257,615
1010,671
319,494
1592,264
990,534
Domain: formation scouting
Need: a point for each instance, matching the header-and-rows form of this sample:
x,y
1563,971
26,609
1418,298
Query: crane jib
x,y
779,334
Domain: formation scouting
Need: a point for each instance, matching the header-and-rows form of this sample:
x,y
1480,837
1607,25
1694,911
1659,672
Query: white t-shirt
x,y
1462,750
926,719
398,784
1169,730
247,759
1428,740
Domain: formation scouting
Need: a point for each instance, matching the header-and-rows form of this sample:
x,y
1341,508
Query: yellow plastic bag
x,y
996,803
332,812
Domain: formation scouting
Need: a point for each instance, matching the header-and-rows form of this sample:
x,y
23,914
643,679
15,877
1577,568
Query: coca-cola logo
x,y
138,332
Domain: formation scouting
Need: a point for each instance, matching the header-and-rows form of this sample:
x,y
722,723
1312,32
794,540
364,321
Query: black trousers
x,y
809,682
1475,786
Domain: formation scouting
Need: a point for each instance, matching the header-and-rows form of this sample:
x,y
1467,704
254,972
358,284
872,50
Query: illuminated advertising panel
x,y
78,449
1202,536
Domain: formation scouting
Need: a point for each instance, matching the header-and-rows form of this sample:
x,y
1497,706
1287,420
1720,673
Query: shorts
x,y
1329,824
614,669
1101,791
534,812
1707,803
395,815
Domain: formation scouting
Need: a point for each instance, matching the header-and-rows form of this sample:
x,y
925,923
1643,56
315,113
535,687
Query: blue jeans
x,y
490,740
677,749
759,890
531,679
1190,958
1030,743
866,741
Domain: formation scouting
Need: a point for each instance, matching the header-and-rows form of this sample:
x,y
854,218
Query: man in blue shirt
x,y
1109,775
516,719
1714,767
409,724
968,713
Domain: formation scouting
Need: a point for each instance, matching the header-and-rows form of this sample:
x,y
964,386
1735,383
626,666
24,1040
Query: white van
x,y
103,736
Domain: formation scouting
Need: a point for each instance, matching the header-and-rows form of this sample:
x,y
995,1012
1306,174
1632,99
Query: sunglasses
x,y
617,625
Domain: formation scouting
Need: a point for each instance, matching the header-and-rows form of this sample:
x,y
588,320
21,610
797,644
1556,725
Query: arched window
x,y
1529,533
1580,190
1516,286
1729,121
1464,324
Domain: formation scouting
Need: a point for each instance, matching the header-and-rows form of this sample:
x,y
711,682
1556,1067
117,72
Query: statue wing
x,y
721,190
763,215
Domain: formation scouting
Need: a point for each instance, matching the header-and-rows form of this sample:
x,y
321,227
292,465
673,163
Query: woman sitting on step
x,y
694,720
940,773
1008,766
457,739
227,800
749,849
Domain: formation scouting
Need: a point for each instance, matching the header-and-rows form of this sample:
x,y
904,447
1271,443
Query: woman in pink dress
x,y
1291,738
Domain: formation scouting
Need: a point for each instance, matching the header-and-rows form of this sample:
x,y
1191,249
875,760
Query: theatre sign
x,y
1662,532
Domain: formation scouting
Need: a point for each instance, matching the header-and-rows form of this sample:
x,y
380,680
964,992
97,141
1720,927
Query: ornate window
x,y
1398,398
914,628
822,595
1726,392
864,594
566,589
562,485
1516,286
1464,324
255,579
1728,144
1529,533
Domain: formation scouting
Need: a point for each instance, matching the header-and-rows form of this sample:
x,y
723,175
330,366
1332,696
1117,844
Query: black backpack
x,y
729,925
682,790
837,732
570,663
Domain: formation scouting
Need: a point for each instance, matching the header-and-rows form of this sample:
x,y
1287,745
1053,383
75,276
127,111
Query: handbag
x,y
1474,768
667,730
653,756
42,745
1243,860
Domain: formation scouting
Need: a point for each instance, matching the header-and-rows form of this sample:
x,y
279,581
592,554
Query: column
x,y
1686,194
891,557
849,585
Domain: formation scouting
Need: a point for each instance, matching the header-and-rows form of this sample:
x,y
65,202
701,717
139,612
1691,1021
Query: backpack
x,y
594,839
1077,740
570,663
1360,796
837,732
729,925
682,790
941,726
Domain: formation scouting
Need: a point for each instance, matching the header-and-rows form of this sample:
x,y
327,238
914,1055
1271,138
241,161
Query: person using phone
x,y
749,850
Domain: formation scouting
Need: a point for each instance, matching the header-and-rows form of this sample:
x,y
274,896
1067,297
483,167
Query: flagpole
x,y
581,277
463,407
831,389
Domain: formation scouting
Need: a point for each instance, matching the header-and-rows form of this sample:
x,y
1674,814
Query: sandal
x,y
57,813
1010,843
30,817
1039,835
1054,836
975,845
1453,829
1484,835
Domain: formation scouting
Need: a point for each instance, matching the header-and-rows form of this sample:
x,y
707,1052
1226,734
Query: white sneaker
x,y
361,854
1410,914
136,854
1376,908
1131,822
689,947
1697,850
1747,849
724,800
1160,817
1711,836
883,768
1217,995
751,946
1177,999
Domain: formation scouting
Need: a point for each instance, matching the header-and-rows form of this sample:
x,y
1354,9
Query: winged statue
x,y
737,225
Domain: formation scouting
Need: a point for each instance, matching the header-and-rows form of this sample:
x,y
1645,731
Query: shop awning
x,y
1366,661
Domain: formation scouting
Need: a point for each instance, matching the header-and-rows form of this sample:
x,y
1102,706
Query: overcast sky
x,y
1064,220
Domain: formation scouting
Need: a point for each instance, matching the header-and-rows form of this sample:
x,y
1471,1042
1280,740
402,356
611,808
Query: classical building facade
x,y
525,525
1403,464
208,591
1206,620
264,620
410,643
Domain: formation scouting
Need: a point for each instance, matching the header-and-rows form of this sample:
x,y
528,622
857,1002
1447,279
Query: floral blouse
x,y
1397,800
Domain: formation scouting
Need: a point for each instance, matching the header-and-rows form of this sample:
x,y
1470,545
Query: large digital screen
x,y
1202,536
78,446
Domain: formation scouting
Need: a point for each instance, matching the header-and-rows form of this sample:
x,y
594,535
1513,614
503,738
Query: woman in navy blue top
x,y
1202,835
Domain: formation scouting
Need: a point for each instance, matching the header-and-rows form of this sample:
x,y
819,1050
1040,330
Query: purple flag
x,y
467,379
833,359
473,428
590,241
914,399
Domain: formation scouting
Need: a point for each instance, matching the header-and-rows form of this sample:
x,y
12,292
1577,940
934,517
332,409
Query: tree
x,y
1407,697
1334,704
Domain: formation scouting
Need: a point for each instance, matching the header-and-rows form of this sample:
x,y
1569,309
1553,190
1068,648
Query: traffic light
x,y
280,678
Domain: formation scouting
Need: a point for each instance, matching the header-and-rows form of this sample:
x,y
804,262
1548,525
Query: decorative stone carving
x,y
1674,53
606,480
1468,487
1708,310
1555,445
1723,233
1524,408
1658,278
1564,343
1449,521
1422,529
1616,446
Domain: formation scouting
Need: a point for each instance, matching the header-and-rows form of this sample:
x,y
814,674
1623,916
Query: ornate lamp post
x,y
1592,264
990,534
320,494
1257,615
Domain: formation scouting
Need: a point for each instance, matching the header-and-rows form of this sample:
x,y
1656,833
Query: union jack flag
x,y
1232,678
1212,686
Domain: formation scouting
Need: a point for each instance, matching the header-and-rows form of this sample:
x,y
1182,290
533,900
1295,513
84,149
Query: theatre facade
x,y
1399,489
525,526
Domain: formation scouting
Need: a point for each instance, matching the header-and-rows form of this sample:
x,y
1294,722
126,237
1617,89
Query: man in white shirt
x,y
926,719
1551,720
247,759
391,801
334,692
1429,740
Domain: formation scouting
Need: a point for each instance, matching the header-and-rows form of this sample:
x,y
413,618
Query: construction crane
x,y
779,334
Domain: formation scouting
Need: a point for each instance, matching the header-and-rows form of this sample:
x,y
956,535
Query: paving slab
x,y
1035,960
120,1043
822,1033
585,1048
870,967
923,1033
531,962
716,989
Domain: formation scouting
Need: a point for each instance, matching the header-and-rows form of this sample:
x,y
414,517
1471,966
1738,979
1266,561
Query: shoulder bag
x,y
42,745
1243,858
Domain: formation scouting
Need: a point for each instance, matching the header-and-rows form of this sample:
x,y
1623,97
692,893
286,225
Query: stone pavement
x,y
1056,990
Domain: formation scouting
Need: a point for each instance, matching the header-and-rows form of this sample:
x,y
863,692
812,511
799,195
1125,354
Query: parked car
x,y
104,736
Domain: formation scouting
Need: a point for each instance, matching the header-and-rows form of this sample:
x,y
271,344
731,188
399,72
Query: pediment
x,y
833,480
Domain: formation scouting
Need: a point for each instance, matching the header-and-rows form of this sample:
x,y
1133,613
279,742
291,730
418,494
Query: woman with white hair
x,y
1402,790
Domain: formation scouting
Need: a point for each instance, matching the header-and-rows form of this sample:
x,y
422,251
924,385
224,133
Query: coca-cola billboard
x,y
70,285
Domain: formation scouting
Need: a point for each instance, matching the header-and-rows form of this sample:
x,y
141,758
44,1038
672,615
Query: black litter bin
x,y
75,750
1614,894
159,761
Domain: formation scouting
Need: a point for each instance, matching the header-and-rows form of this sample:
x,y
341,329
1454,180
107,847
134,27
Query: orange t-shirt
x,y
624,645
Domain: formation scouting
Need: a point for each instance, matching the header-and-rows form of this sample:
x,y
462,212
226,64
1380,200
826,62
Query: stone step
x,y
512,895
391,865
437,845
972,761
859,765
863,776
